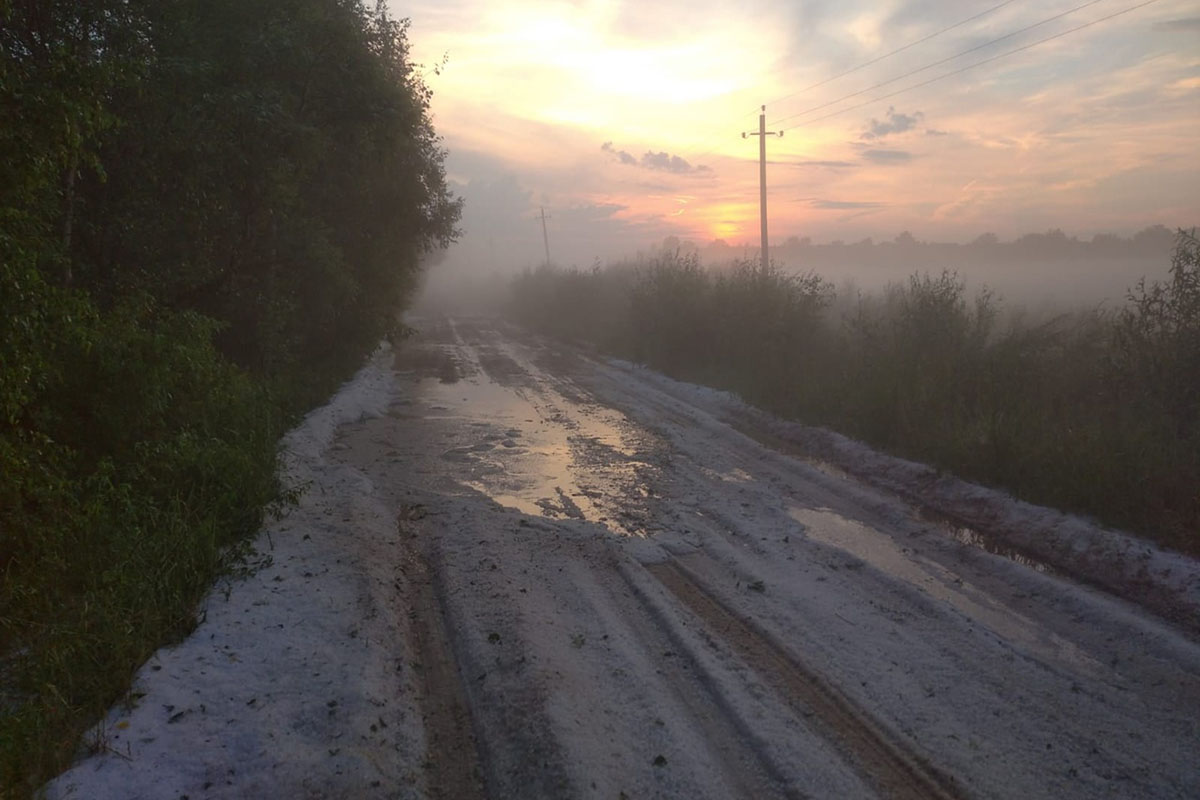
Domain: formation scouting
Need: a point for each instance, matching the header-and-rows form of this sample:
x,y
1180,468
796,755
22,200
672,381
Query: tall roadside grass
x,y
1096,412
140,459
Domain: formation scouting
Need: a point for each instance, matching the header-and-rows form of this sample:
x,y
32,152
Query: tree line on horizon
x,y
1152,242
210,212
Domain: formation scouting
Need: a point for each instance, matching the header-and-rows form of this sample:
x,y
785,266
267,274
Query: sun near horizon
x,y
949,120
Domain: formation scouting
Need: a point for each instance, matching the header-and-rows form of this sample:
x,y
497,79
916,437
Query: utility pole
x,y
545,238
762,135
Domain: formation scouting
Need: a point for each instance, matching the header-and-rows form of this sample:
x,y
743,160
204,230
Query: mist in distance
x,y
1046,271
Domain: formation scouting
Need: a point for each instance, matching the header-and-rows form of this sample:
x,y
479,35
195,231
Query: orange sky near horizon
x,y
624,120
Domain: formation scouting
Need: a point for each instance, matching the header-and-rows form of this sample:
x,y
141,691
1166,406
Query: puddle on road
x,y
884,554
524,505
735,475
528,448
972,537
950,526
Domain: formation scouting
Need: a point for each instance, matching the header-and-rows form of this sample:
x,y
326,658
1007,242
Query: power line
x,y
697,144
939,62
908,46
970,66
922,40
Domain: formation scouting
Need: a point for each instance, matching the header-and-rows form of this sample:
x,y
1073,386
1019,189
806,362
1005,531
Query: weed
x,y
1094,412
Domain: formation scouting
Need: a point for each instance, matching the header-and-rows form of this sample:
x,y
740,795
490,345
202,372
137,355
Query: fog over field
x,y
1031,270
1038,271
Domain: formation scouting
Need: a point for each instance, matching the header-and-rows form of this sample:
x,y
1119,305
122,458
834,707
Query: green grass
x,y
129,481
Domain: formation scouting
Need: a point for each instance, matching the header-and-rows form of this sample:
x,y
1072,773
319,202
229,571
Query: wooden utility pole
x,y
762,135
545,238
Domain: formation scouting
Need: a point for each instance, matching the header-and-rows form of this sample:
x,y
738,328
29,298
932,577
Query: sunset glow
x,y
624,120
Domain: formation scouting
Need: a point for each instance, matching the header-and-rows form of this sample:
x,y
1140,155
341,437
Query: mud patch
x,y
884,554
732,741
451,763
501,367
521,442
428,361
943,522
882,761
1042,539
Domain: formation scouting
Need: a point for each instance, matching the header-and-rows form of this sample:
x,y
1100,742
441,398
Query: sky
x,y
624,120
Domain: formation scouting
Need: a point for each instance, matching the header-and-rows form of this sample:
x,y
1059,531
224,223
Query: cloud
x,y
669,163
660,162
843,205
895,123
1187,25
829,164
936,132
887,156
620,155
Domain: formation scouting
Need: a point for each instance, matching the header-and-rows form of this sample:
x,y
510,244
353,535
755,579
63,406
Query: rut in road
x,y
732,738
883,658
893,772
451,758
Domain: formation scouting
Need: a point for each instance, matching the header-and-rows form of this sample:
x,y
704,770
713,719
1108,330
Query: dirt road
x,y
595,586
637,598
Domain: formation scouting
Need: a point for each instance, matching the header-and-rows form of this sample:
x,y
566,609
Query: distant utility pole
x,y
762,135
545,238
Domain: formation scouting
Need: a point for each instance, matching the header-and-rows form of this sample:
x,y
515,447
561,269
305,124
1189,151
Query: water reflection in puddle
x,y
525,506
884,554
527,447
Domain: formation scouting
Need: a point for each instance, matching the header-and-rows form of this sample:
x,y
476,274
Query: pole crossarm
x,y
762,133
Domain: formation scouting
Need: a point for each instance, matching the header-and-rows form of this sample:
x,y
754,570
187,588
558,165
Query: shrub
x,y
1092,412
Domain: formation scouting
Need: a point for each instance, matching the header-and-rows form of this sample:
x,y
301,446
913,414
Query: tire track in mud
x,y
735,743
884,763
452,764
482,741
881,761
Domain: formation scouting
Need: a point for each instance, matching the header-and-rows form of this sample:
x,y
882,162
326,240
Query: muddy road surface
x,y
623,596
555,576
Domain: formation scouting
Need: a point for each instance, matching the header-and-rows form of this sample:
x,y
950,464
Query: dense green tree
x,y
291,142
210,210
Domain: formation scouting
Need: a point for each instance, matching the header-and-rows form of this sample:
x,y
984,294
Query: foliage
x,y
210,210
304,174
1093,412
1157,341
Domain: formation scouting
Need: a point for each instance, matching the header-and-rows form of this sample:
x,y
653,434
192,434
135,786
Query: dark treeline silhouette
x,y
1036,268
1153,242
1095,411
210,211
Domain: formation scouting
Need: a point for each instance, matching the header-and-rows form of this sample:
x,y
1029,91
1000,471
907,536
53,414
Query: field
x,y
1094,411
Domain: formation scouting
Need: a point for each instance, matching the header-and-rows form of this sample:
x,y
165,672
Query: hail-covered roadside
x,y
518,571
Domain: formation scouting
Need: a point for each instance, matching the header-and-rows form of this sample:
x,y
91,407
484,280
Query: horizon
x,y
1036,270
625,123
